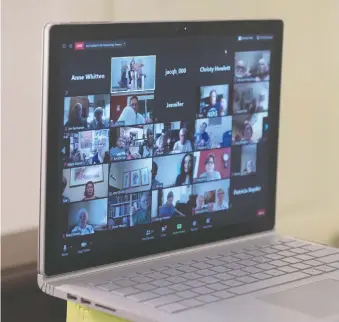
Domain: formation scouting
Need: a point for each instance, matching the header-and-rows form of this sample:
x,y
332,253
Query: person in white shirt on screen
x,y
183,145
82,228
130,115
210,173
98,122
221,203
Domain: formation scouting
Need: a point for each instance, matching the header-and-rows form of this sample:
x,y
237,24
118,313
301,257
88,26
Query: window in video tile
x,y
211,196
248,128
85,183
250,97
252,66
87,112
133,74
174,137
130,176
244,160
174,170
129,210
87,217
171,202
213,101
211,133
128,143
86,148
212,165
131,110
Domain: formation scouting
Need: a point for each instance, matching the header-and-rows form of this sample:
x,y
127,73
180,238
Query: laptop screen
x,y
160,138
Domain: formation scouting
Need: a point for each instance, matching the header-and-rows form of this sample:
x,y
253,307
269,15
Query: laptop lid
x,y
156,136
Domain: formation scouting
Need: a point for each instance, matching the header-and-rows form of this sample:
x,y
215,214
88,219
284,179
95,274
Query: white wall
x,y
23,23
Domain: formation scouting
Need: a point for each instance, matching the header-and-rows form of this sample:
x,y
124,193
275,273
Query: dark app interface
x,y
162,137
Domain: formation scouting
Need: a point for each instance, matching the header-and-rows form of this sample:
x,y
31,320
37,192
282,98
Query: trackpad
x,y
318,299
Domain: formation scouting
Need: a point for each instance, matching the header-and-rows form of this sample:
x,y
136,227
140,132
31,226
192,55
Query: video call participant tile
x,y
173,137
244,160
132,142
133,74
85,148
213,101
130,176
211,165
129,210
85,183
130,110
87,112
175,202
250,98
248,129
174,170
87,217
252,66
212,133
210,197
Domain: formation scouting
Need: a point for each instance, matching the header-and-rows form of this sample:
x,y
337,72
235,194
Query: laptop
x,y
158,176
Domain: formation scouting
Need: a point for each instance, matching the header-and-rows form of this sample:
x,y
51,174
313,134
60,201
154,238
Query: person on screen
x,y
221,203
142,215
89,192
226,139
119,151
202,139
146,149
212,110
186,171
162,144
101,156
248,132
155,183
262,71
223,107
200,202
130,115
210,173
250,167
98,122
168,209
241,70
83,228
262,103
64,185
75,118
183,145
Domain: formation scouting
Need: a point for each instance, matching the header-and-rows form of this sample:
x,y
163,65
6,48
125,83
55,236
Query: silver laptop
x,y
158,180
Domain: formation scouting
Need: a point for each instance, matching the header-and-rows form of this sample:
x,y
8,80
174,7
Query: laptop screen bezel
x,y
50,261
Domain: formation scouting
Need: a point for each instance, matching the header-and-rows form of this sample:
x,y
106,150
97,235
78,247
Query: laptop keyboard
x,y
193,283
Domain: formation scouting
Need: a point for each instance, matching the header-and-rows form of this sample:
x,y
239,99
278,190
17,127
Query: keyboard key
x,y
224,276
242,256
313,271
281,247
209,280
255,253
205,272
161,283
214,256
329,259
220,269
274,256
234,266
180,287
188,263
326,268
163,291
218,286
261,276
247,262
299,250
275,272
187,269
143,296
155,276
174,265
313,248
194,283
167,299
238,273
324,252
125,283
126,291
143,279
296,243
269,250
109,287
288,269
291,260
265,266
187,294
229,259
304,257
278,263
216,262
191,303
201,265
203,290
173,308
223,294
246,279
313,262
251,270
145,271
191,276
176,279
336,264
231,283
144,287
286,253
172,272
208,298
300,266
268,283
261,259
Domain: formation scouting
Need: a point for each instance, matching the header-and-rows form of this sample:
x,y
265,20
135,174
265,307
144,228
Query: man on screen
x,y
168,209
221,203
155,183
202,139
262,71
212,110
183,145
75,118
82,228
130,115
119,151
64,184
98,122
142,215
210,173
146,149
